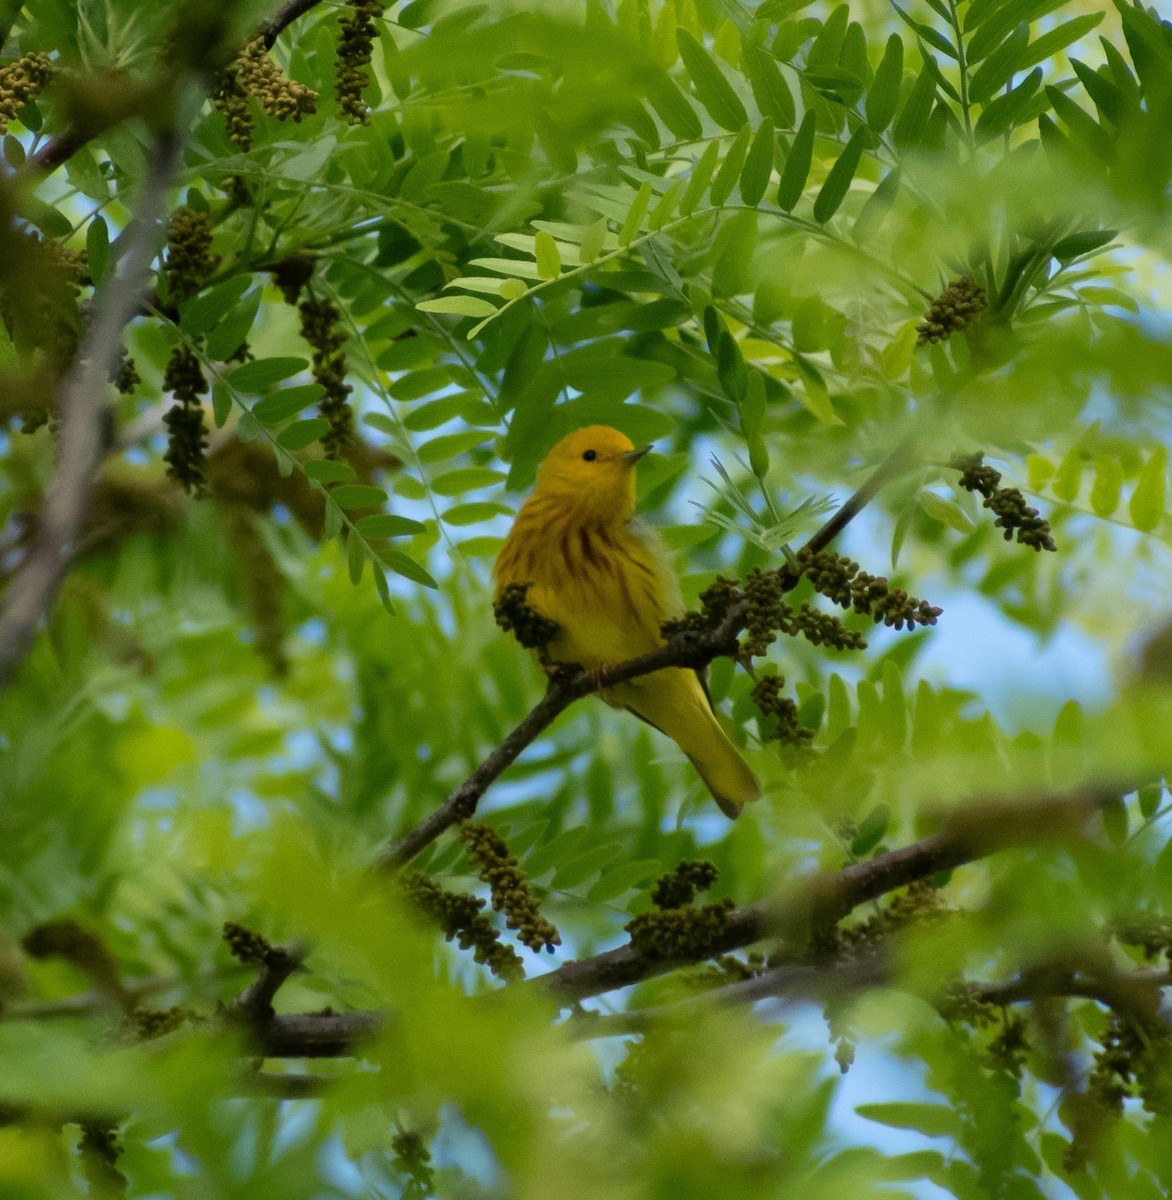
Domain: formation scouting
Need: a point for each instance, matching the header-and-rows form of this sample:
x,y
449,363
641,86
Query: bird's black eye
x,y
589,455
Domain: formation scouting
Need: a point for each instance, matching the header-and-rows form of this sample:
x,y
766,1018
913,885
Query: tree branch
x,y
983,826
980,828
254,1005
35,585
571,682
1113,989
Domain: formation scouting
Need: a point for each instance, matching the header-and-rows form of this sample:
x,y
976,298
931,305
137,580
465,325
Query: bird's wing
x,y
673,600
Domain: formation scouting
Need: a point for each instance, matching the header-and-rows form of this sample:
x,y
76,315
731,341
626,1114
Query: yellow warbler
x,y
603,579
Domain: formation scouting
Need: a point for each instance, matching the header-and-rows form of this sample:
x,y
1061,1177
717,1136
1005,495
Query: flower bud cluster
x,y
840,579
278,95
1014,515
460,919
253,73
189,253
22,80
957,307
248,946
680,930
355,49
413,1159
321,328
511,893
788,730
517,617
187,442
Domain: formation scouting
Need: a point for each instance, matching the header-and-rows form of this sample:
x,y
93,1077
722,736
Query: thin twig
x,y
573,682
254,1005
271,29
95,1001
83,396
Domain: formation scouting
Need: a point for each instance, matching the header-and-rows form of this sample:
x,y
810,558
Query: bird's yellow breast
x,y
603,584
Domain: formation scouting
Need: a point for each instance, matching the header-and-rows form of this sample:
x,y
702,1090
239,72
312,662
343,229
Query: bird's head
x,y
596,467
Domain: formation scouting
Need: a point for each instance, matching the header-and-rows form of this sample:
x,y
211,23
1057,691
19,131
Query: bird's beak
x,y
632,456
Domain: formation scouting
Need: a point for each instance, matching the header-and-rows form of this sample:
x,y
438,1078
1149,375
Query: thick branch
x,y
981,828
316,1035
975,831
35,585
572,682
1113,989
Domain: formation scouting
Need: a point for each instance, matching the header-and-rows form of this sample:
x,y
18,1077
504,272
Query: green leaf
x,y
814,395
355,556
401,564
935,1120
221,404
448,445
592,242
358,495
770,89
259,376
1108,97
549,262
946,511
1146,506
827,46
797,164
1150,797
301,433
1002,113
288,402
1107,487
674,108
698,180
838,181
325,470
730,169
758,164
380,586
913,117
713,90
383,525
97,248
202,313
730,367
624,878
996,71
474,513
1114,815
1084,129
871,830
635,214
883,96
229,335
934,39
876,208
1005,17
1078,244
465,479
463,306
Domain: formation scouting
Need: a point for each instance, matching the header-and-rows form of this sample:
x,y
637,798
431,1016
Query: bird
x,y
602,577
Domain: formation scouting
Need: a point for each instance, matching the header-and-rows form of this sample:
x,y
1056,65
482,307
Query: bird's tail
x,y
725,773
674,702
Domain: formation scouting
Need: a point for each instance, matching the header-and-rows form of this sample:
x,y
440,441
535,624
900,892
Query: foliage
x,y
803,248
